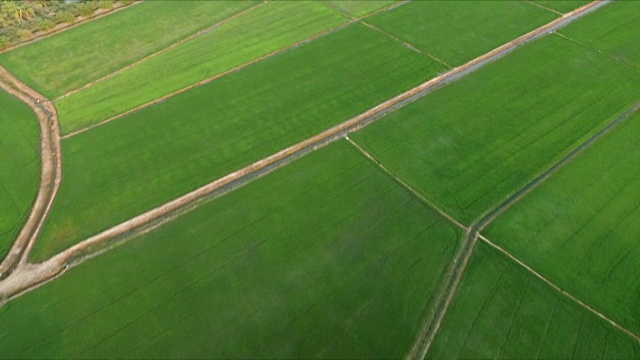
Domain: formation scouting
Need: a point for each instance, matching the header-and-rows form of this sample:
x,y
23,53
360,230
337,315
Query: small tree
x,y
4,41
45,25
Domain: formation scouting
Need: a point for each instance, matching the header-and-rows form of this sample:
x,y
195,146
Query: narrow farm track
x,y
51,174
31,275
556,287
230,71
161,51
544,7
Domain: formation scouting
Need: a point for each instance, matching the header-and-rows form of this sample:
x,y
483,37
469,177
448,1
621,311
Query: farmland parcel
x,y
469,145
264,30
243,275
458,31
581,228
503,311
125,167
75,57
19,166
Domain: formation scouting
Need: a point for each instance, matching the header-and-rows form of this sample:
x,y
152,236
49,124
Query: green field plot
x,y
116,171
614,29
502,311
315,260
357,8
580,229
19,166
469,145
264,30
563,6
458,31
90,51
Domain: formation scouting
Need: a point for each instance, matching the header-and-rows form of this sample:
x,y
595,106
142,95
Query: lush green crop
x,y
458,31
116,171
19,166
315,260
269,28
563,6
614,29
503,311
90,51
580,229
357,8
472,143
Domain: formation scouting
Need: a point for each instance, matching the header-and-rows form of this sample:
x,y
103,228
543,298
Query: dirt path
x,y
33,275
51,174
161,51
100,13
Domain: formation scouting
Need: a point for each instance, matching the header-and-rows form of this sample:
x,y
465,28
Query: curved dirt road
x,y
51,173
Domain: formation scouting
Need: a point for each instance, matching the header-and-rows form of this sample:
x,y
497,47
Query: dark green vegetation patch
x,y
19,166
581,228
503,311
471,144
315,260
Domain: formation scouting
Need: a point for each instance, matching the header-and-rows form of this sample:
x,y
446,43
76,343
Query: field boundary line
x,y
406,186
66,26
51,170
163,50
404,43
558,288
558,165
232,70
39,273
544,7
625,62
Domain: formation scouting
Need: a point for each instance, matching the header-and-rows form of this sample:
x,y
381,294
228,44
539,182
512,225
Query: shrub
x,y
106,4
64,16
45,25
85,9
24,34
4,41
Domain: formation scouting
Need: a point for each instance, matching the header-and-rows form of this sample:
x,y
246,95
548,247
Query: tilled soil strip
x,y
36,274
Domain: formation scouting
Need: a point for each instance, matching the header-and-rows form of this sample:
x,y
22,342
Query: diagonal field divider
x,y
29,276
558,288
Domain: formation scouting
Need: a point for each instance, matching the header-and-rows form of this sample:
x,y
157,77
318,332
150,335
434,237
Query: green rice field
x,y
264,30
494,215
613,30
503,311
201,135
77,56
458,31
563,6
587,214
19,166
469,145
247,278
